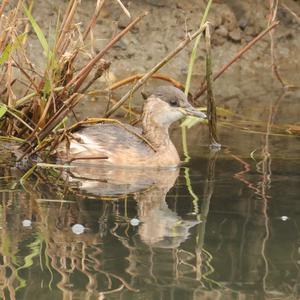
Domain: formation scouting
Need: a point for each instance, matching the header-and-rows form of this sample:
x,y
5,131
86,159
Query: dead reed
x,y
36,110
36,116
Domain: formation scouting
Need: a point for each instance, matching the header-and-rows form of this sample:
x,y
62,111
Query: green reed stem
x,y
183,128
195,48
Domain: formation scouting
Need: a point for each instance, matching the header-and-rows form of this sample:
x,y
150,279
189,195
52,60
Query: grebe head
x,y
168,104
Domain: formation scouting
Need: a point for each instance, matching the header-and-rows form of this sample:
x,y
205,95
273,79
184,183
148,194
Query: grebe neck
x,y
154,131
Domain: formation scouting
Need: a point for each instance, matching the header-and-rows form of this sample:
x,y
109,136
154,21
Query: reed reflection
x,y
104,256
122,234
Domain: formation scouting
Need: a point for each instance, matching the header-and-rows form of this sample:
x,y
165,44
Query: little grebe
x,y
112,144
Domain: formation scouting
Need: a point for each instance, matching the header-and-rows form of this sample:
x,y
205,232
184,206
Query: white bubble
x,y
284,218
134,222
78,228
26,223
192,213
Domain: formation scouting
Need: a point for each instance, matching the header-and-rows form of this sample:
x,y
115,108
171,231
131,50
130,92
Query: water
x,y
226,226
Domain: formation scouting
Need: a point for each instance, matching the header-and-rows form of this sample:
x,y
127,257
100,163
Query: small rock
x,y
218,40
123,22
250,30
229,20
235,35
222,31
243,22
215,20
122,45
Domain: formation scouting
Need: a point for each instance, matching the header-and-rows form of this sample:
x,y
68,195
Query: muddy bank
x,y
246,86
248,82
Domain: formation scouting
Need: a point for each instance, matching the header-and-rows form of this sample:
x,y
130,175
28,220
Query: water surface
x,y
225,226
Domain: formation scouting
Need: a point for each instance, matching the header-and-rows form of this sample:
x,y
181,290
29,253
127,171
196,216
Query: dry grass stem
x,y
124,8
291,12
273,4
3,5
93,20
134,78
81,76
158,66
48,97
201,90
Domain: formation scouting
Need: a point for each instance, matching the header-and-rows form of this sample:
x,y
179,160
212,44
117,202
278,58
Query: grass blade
x,y
10,47
3,110
39,33
194,51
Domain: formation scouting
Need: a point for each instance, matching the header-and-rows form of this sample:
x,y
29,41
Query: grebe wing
x,y
108,141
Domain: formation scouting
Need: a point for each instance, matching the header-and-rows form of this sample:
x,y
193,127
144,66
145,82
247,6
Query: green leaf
x,y
5,54
194,51
3,110
39,33
47,87
10,47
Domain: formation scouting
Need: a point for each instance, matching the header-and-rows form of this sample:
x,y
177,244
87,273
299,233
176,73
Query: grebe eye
x,y
173,102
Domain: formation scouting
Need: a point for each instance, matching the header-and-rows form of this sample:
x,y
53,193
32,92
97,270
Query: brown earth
x,y
245,88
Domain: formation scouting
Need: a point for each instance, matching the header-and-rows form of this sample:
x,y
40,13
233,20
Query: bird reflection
x,y
84,235
160,226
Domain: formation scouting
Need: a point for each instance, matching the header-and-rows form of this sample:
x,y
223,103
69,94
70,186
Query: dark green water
x,y
225,227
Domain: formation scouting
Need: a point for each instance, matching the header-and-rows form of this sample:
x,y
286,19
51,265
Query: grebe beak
x,y
191,111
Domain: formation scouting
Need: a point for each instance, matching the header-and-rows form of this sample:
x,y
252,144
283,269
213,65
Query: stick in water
x,y
211,105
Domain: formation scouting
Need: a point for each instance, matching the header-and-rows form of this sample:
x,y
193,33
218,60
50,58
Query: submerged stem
x,y
211,105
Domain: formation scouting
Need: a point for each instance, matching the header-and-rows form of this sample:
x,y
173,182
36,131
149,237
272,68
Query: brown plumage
x,y
113,144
